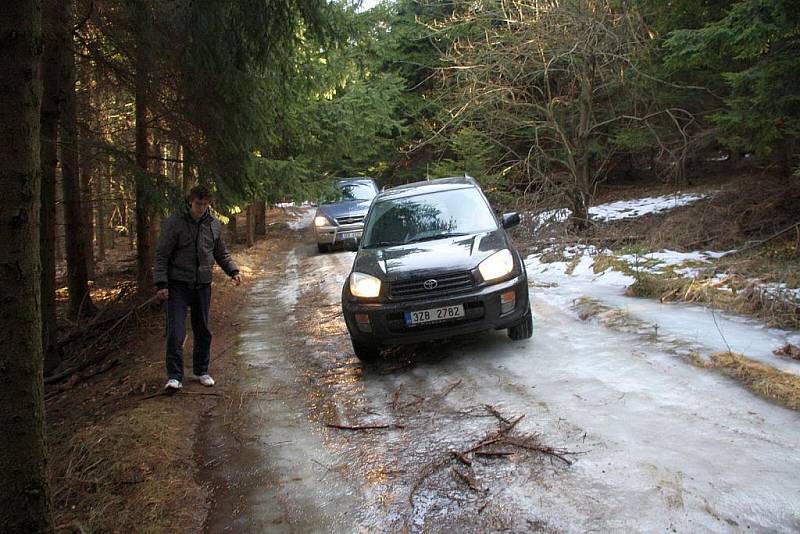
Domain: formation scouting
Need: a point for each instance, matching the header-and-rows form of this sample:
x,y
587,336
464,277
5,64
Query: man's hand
x,y
237,279
163,294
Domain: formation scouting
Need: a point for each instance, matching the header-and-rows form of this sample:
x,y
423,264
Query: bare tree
x,y
551,83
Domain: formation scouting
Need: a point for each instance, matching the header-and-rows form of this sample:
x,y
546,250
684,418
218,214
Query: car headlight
x,y
364,285
497,265
321,220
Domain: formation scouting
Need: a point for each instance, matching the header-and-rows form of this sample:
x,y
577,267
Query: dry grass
x,y
733,294
763,380
129,473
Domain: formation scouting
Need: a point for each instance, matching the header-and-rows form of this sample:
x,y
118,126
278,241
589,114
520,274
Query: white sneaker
x,y
205,380
173,384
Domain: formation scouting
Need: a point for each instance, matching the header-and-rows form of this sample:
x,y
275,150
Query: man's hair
x,y
199,192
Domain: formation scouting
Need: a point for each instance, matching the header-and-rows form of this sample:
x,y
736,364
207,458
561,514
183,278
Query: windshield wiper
x,y
438,236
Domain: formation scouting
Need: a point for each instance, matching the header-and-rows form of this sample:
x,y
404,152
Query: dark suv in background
x,y
434,262
342,218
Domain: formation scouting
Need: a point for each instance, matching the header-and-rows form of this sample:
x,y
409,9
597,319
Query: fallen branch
x,y
402,367
162,393
419,400
494,412
80,367
493,453
55,392
396,397
167,393
764,241
363,427
426,472
450,388
461,458
494,438
513,423
525,443
204,393
468,479
96,322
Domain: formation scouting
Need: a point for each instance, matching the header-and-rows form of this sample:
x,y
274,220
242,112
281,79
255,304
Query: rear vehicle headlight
x,y
364,285
319,220
497,265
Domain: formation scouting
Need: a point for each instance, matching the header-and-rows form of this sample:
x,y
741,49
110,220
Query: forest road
x,y
616,435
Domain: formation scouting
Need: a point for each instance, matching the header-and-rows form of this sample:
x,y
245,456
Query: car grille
x,y
350,219
446,285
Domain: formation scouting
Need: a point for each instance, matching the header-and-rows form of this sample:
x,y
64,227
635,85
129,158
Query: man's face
x,y
198,206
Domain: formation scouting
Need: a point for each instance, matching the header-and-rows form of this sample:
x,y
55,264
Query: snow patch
x,y
624,209
705,330
306,216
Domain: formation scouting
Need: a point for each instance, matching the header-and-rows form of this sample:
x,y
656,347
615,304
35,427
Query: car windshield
x,y
355,191
427,217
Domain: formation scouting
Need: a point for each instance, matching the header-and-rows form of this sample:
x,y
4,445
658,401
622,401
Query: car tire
x,y
323,247
523,329
365,353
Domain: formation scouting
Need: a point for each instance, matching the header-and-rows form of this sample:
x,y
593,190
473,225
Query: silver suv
x,y
343,218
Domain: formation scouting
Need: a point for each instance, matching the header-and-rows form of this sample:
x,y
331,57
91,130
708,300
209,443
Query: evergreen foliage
x,y
755,49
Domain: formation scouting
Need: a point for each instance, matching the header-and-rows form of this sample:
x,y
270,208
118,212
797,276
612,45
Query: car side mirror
x,y
350,245
511,219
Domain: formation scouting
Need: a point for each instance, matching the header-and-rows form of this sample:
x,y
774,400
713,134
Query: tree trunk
x,y
188,178
788,155
233,237
261,217
144,246
100,213
58,245
582,190
24,493
251,225
56,37
80,302
87,203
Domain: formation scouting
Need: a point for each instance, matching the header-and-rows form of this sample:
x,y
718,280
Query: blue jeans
x,y
198,298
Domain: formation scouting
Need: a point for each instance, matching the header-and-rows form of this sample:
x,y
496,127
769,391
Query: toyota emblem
x,y
430,284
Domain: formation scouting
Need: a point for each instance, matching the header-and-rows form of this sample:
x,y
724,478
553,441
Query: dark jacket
x,y
187,250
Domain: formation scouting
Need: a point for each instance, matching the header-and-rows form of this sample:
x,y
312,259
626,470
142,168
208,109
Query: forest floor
x,y
122,454
125,458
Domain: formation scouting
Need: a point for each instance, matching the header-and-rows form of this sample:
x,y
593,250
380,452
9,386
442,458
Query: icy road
x,y
617,431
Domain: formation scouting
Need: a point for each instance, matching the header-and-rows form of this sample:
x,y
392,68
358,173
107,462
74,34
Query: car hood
x,y
347,208
451,254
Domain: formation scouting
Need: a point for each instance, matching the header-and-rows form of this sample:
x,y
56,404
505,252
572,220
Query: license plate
x,y
434,315
348,235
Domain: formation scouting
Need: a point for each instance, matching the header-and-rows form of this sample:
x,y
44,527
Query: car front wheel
x,y
323,247
365,353
523,329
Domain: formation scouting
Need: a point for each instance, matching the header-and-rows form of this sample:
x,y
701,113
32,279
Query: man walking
x,y
189,244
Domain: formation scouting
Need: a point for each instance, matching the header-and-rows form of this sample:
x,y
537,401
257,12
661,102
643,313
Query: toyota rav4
x,y
434,262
